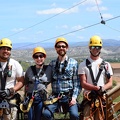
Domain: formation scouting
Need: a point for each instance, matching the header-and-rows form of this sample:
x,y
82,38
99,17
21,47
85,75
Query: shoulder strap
x,y
34,70
4,75
45,67
42,72
88,64
102,65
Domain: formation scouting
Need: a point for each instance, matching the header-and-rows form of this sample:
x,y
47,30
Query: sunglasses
x,y
38,56
61,46
96,47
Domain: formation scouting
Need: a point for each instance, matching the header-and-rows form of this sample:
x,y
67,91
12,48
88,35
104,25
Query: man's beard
x,y
63,53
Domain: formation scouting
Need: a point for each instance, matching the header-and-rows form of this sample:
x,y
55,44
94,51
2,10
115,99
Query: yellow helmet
x,y
95,41
61,39
39,49
6,42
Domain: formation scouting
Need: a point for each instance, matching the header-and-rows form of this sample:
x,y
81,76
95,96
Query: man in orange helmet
x,y
96,77
11,77
65,83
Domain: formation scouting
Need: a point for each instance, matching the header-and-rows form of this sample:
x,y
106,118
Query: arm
x,y
19,84
77,87
109,81
86,85
108,85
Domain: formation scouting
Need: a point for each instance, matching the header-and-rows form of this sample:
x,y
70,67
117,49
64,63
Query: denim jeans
x,y
50,109
35,112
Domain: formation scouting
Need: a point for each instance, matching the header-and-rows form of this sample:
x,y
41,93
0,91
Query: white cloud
x,y
39,32
107,16
57,10
77,27
17,29
65,26
95,8
92,2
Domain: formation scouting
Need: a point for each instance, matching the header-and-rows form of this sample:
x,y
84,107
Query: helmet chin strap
x,y
95,55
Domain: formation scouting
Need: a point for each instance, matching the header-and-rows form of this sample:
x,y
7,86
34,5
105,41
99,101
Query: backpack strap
x,y
102,66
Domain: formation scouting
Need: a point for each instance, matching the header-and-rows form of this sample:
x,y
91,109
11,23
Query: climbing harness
x,y
30,97
97,104
62,98
102,66
96,99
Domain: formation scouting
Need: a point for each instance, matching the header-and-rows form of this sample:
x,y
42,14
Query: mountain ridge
x,y
29,45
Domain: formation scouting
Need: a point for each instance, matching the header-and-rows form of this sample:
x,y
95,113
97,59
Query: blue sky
x,y
42,21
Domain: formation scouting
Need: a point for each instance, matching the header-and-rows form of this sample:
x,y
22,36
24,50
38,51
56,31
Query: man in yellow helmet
x,y
36,81
11,76
65,83
96,77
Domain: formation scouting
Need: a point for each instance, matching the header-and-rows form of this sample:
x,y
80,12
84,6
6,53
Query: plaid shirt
x,y
67,81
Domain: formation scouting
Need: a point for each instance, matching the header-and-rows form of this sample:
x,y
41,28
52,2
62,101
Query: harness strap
x,y
41,73
88,64
57,66
3,75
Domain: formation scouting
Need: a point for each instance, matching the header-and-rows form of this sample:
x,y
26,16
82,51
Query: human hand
x,y
6,93
101,91
73,101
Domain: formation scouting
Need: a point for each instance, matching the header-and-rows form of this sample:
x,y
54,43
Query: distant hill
x,y
106,42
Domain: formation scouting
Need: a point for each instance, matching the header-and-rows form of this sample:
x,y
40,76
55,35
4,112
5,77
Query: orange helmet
x,y
95,41
39,49
6,42
61,39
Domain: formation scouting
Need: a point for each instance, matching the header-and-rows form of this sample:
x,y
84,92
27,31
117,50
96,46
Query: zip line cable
x,y
112,28
69,32
47,19
61,35
103,21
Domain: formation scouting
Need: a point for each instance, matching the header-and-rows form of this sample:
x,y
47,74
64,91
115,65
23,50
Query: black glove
x,y
101,91
6,93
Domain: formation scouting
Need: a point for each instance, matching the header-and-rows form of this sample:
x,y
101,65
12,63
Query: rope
x,y
96,106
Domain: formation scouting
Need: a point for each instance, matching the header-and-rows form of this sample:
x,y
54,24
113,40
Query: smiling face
x,y
5,53
95,51
61,48
39,59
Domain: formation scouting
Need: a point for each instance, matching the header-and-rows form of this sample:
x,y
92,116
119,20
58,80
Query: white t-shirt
x,y
17,71
95,68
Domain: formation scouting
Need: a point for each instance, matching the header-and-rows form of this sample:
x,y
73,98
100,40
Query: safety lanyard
x,y
3,75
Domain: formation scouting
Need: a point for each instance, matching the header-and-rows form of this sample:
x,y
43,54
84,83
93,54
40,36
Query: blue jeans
x,y
36,110
50,109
